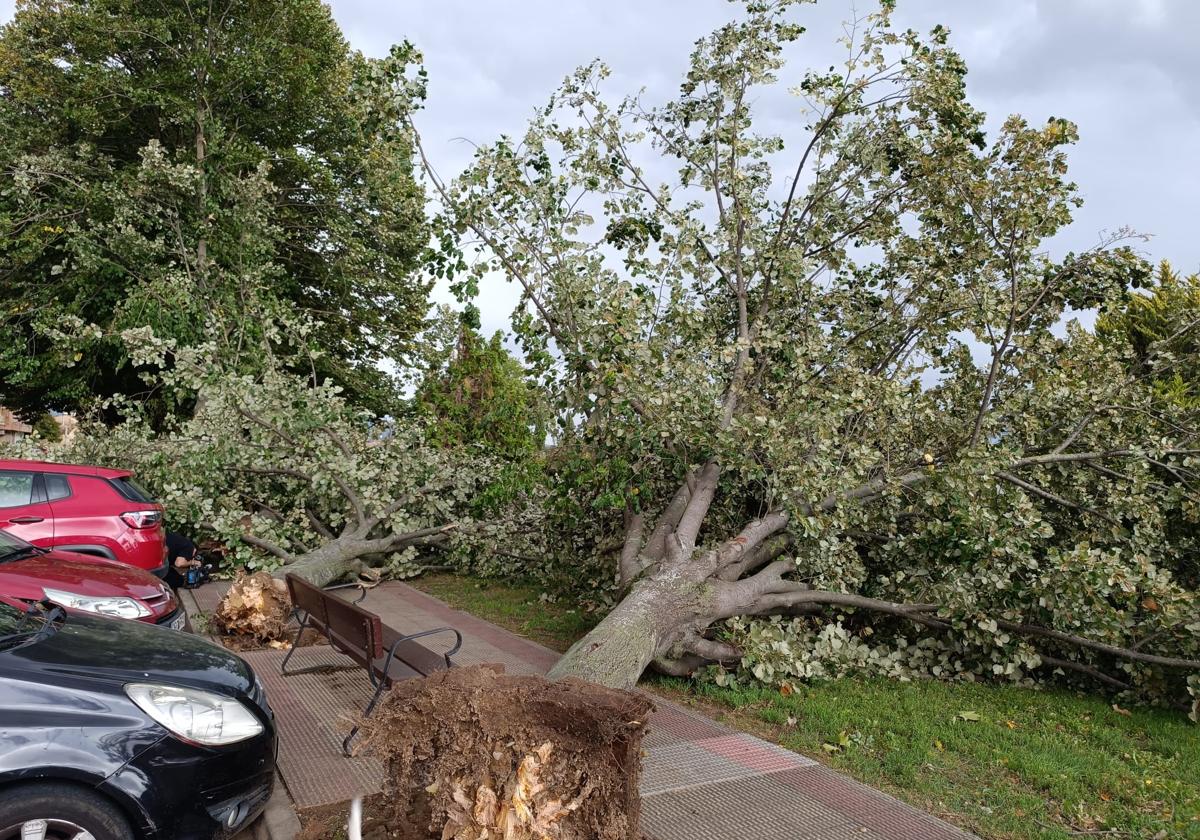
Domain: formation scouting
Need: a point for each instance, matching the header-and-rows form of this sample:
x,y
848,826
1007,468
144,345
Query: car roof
x,y
72,469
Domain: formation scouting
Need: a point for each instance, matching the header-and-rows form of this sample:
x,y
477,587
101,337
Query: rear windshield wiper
x,y
22,553
51,614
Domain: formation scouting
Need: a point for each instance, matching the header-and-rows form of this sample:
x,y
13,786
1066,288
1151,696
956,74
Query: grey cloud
x,y
1124,70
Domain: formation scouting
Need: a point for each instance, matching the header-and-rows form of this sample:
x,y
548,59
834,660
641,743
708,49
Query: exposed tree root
x,y
256,607
473,753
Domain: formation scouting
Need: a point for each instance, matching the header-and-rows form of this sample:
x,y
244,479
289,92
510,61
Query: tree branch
x,y
656,545
765,553
1079,667
1054,497
317,524
1113,650
697,507
736,551
778,601
630,564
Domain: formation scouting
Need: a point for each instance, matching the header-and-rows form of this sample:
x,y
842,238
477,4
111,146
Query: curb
x,y
278,821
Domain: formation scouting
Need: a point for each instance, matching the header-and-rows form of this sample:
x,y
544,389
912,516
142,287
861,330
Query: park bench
x,y
386,654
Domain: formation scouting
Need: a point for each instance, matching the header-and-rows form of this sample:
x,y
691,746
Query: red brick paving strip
x,y
702,781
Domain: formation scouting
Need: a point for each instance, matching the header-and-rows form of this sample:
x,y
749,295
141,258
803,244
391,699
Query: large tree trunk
x,y
657,614
327,564
345,555
677,591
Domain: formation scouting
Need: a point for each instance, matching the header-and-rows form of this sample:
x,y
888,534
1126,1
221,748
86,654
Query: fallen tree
x,y
828,375
285,471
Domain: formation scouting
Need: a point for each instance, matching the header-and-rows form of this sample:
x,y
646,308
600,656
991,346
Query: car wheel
x,y
59,812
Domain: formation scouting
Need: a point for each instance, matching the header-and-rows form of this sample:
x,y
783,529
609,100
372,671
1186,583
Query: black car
x,y
120,730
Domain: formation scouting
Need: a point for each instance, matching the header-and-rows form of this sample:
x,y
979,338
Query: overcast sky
x,y
1127,71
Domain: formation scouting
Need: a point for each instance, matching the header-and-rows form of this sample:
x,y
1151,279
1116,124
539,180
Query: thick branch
x,y
712,650
267,546
353,499
765,553
697,508
656,545
257,542
1079,667
798,596
1120,652
736,550
318,524
630,564
683,666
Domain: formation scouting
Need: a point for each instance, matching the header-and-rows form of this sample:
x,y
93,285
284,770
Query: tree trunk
x,y
657,614
327,564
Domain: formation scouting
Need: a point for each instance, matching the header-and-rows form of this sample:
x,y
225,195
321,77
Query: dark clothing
x,y
177,546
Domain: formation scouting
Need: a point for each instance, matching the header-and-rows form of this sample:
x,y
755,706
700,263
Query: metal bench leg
x,y
366,713
295,642
383,682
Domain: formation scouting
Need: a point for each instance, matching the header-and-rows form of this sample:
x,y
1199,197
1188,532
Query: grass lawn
x,y
1001,761
514,606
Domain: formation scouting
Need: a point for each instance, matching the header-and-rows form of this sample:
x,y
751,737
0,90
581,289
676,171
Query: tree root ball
x,y
256,607
476,754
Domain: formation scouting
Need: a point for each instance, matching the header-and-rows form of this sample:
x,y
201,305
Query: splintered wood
x,y
256,608
475,754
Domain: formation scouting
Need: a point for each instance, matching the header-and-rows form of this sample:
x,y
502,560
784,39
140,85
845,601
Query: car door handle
x,y
25,520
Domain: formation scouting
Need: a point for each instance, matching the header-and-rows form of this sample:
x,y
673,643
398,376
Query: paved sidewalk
x,y
701,780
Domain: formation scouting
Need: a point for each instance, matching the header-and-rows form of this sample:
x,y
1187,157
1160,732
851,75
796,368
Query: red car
x,y
85,583
86,510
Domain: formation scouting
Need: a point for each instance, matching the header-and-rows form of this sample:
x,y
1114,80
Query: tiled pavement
x,y
701,780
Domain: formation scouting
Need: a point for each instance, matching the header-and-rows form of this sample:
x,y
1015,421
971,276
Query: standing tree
x,y
167,164
822,371
477,393
47,428
1161,326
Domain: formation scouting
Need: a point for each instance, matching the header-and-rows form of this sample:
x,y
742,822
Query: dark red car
x,y
87,510
83,583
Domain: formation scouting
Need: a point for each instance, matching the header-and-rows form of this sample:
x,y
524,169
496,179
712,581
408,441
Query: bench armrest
x,y
457,643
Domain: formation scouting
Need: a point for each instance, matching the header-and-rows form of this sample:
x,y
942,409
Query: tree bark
x,y
327,564
655,616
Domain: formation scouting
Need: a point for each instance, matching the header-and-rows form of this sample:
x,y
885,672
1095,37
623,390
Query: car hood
x,y
80,574
115,650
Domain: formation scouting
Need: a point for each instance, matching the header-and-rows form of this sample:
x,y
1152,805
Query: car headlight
x,y
197,716
116,607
